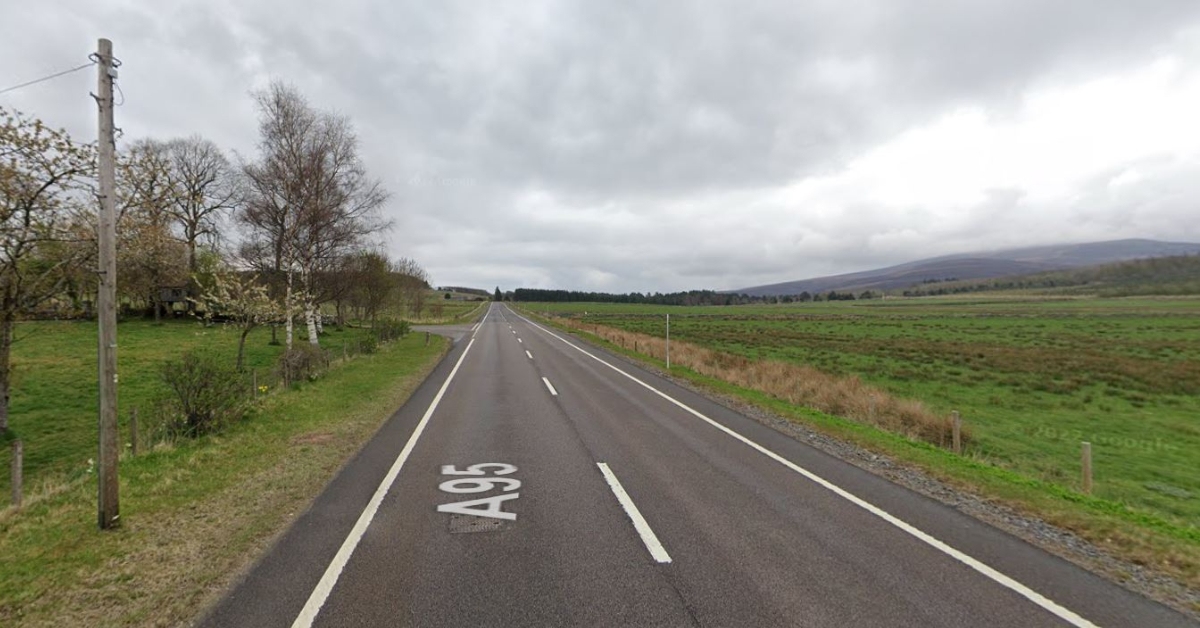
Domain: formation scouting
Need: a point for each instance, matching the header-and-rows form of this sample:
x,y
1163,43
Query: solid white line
x,y
529,354
1029,594
550,386
317,599
639,522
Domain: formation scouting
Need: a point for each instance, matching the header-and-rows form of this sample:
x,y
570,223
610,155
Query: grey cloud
x,y
626,119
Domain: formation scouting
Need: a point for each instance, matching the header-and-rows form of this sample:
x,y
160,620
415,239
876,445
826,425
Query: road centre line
x,y
321,592
1033,596
550,386
520,341
649,539
529,354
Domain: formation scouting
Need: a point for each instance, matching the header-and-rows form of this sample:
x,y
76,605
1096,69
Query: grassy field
x,y
55,399
194,513
1032,377
440,311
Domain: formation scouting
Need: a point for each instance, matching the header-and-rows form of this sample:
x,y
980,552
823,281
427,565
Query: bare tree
x,y
149,256
373,284
275,189
206,189
310,200
412,280
342,212
42,176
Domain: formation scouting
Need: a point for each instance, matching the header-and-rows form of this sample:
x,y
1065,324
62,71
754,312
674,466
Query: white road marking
x,y
1033,596
321,593
550,386
639,522
520,341
529,354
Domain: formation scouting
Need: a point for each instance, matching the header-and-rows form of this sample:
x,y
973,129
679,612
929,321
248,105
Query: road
x,y
534,480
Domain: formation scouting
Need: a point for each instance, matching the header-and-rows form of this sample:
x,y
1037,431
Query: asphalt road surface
x,y
536,481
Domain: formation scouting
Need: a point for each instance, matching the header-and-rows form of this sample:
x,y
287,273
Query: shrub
x,y
388,330
302,362
204,396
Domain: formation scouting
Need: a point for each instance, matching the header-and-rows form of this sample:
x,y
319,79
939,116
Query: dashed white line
x,y
520,341
1033,596
321,593
649,539
550,386
529,354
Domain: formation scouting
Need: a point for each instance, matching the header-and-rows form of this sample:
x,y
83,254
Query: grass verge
x,y
1138,537
195,514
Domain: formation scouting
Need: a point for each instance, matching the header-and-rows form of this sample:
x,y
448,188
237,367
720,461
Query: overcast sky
x,y
668,145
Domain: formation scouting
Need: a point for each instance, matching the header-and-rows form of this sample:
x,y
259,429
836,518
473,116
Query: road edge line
x,y
1033,596
330,577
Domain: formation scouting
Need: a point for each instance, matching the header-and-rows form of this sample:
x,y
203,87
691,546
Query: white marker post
x,y
668,342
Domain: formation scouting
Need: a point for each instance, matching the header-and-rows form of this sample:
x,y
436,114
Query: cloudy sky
x,y
667,145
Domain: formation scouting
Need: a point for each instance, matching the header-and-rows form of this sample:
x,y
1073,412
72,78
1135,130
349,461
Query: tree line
x,y
691,297
277,238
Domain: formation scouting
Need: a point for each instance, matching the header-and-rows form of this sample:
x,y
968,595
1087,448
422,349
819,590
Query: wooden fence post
x,y
956,427
426,339
1087,468
18,453
133,432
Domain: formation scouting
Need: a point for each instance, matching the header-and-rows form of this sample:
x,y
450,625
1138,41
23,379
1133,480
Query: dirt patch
x,y
312,438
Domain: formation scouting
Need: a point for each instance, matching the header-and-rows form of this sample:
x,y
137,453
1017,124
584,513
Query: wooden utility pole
x,y
109,510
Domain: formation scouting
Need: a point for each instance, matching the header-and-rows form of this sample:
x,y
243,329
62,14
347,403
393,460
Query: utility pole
x,y
109,510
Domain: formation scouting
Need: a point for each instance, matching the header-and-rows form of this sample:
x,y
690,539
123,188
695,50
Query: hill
x,y
981,265
1176,275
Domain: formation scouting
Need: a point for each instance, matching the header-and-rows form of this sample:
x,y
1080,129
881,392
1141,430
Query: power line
x,y
46,78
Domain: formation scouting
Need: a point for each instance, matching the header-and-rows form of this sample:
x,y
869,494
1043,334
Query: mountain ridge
x,y
980,265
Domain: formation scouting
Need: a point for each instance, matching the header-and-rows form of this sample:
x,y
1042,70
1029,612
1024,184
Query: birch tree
x,y
310,201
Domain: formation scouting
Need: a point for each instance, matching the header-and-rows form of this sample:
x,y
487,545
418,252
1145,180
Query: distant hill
x,y
984,265
1176,275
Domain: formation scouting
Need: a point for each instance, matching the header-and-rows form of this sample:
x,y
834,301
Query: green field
x,y
55,399
1032,377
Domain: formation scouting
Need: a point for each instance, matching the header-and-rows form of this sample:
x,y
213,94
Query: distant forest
x,y
691,297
